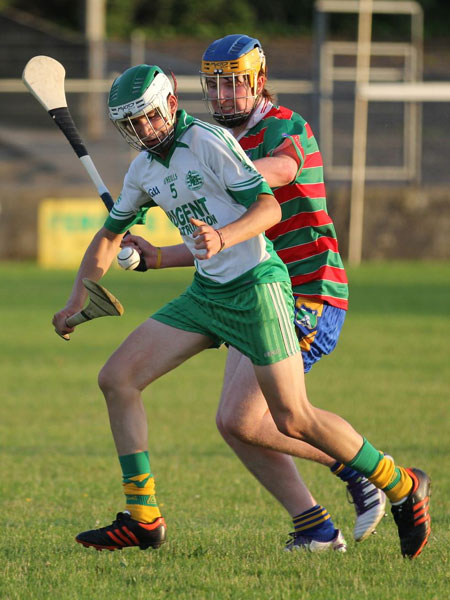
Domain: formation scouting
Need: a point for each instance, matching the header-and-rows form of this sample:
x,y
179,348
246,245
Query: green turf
x,y
390,376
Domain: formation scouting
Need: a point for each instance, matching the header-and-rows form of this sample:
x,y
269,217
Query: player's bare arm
x,y
261,215
177,255
96,262
282,167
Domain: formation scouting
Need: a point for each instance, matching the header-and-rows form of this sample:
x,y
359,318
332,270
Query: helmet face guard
x,y
229,77
157,141
139,108
230,108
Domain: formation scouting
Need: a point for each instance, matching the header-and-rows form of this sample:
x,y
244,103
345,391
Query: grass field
x,y
390,376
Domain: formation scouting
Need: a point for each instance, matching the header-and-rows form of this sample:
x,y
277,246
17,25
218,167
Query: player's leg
x,y
243,414
283,385
152,350
318,325
270,343
247,426
407,489
313,527
260,326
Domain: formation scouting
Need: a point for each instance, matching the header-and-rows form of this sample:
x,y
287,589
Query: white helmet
x,y
138,91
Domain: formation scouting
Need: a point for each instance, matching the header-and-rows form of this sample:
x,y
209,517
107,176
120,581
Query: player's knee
x,y
107,379
226,426
291,425
103,380
220,425
230,428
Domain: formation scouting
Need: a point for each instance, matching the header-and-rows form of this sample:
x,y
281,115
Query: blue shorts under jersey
x,y
318,327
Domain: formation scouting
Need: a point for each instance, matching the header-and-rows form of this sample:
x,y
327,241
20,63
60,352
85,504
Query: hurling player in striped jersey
x,y
233,74
282,146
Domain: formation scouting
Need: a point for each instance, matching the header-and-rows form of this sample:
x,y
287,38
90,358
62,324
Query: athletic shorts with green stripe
x,y
257,320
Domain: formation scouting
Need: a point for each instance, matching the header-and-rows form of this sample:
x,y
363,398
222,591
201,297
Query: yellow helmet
x,y
229,58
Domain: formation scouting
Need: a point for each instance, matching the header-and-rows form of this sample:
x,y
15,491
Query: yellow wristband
x,y
222,241
158,258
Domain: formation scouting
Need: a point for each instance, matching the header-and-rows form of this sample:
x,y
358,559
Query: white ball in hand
x,y
128,258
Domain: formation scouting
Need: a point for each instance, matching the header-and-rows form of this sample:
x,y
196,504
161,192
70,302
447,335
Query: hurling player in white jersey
x,y
241,295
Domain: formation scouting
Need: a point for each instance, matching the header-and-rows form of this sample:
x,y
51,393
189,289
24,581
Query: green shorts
x,y
257,321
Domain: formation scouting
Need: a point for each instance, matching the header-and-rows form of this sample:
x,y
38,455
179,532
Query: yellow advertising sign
x,y
66,226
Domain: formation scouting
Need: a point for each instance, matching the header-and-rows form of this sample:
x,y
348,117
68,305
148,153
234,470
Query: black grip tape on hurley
x,y
63,119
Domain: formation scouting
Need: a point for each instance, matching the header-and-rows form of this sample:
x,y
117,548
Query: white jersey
x,y
206,176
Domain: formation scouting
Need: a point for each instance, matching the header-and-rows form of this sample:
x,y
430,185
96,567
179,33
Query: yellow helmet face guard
x,y
249,66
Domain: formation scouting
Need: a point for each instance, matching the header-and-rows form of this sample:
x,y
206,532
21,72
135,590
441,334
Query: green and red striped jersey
x,y
305,238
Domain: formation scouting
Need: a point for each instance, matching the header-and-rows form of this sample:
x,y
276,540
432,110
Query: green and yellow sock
x,y
382,472
139,487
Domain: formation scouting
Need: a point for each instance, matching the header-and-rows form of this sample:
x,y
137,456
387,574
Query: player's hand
x,y
59,322
145,249
206,238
